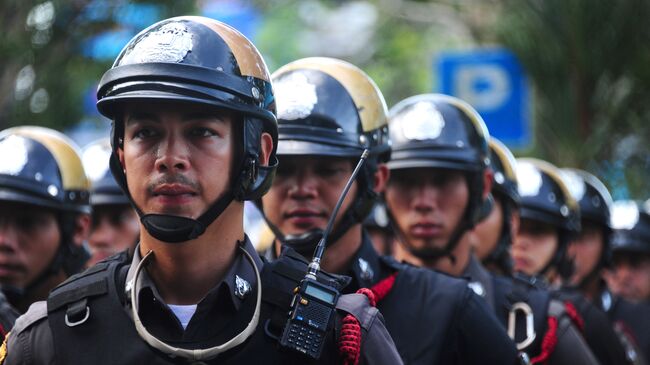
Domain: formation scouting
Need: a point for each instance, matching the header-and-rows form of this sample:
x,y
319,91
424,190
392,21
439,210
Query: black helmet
x,y
441,131
545,197
42,167
630,222
103,187
329,107
203,61
595,204
504,187
504,166
591,194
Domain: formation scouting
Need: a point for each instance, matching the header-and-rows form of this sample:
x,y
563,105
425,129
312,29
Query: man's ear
x,y
488,174
120,156
381,178
81,229
266,148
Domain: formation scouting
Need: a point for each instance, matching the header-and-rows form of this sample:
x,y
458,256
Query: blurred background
x,y
566,81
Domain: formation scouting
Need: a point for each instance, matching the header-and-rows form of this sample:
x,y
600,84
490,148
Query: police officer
x,y
437,192
494,233
329,112
114,222
631,251
591,253
550,218
193,137
45,213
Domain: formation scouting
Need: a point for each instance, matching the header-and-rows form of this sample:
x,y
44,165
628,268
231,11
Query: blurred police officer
x,y
329,111
528,311
193,137
436,194
115,225
550,219
45,213
631,251
591,253
494,232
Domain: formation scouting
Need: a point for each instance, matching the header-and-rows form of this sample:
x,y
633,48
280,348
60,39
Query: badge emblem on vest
x,y
366,270
477,288
242,287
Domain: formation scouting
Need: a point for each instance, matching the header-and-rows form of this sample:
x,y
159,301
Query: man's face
x,y
114,229
305,192
29,240
176,157
631,273
586,251
534,246
427,204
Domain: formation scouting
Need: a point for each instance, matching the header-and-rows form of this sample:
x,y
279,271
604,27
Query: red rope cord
x,y
548,343
572,312
350,339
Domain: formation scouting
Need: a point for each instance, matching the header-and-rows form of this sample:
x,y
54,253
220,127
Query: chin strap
x,y
194,354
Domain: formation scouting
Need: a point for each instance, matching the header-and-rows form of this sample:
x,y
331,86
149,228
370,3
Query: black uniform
x,y
598,330
57,332
503,293
433,318
632,319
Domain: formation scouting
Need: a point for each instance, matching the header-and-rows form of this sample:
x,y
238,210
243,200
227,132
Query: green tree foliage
x,y
43,73
588,65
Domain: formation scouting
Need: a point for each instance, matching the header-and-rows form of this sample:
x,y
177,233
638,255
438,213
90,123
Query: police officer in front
x,y
114,222
45,213
591,254
193,137
329,111
550,219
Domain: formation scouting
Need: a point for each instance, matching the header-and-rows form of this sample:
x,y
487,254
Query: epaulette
x,y
36,312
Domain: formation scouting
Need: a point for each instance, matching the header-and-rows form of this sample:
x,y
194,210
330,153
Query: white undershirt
x,y
183,312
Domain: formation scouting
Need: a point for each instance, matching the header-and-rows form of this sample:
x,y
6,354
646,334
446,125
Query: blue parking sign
x,y
493,82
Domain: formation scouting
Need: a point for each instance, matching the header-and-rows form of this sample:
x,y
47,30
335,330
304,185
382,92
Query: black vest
x,y
108,336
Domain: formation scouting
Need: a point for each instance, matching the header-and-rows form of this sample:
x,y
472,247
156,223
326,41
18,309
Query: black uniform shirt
x,y
218,307
433,318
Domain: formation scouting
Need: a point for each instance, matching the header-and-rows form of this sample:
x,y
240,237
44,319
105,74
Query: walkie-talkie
x,y
313,302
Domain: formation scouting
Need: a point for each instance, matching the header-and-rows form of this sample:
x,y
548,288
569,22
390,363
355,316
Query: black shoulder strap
x,y
75,291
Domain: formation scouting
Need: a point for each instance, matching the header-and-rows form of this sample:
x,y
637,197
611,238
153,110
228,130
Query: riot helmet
x,y
595,204
545,198
104,190
505,189
329,107
441,131
630,222
43,168
197,60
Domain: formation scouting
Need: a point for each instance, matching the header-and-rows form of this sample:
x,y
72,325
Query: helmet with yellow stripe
x,y
329,107
198,60
546,198
43,167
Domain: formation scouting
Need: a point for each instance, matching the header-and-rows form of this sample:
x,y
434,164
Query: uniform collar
x,y
238,281
480,280
365,266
